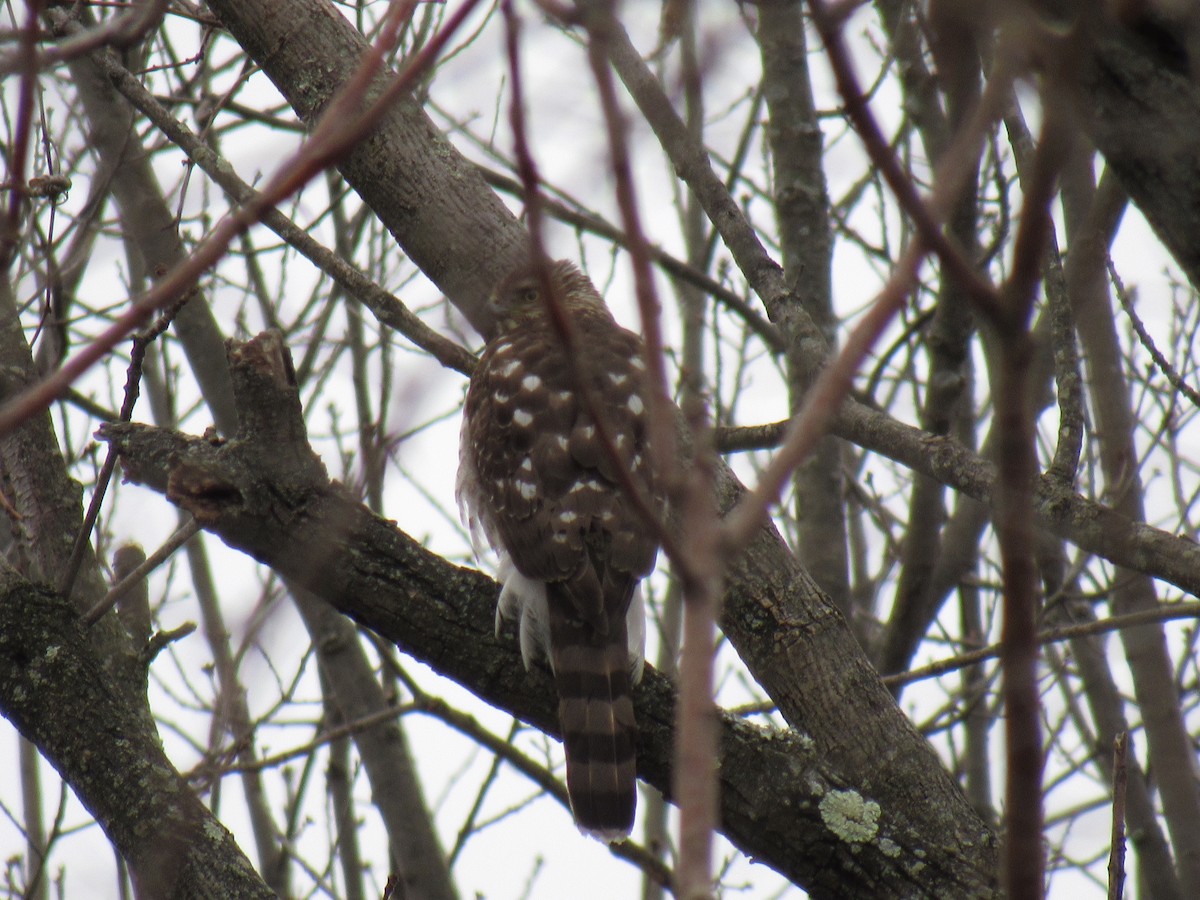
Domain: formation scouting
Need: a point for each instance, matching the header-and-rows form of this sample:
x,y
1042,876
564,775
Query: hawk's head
x,y
519,300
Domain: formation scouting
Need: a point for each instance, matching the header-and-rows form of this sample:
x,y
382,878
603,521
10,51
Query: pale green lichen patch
x,y
849,816
214,831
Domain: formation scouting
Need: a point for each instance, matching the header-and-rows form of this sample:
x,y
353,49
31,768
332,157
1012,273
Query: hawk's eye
x,y
529,295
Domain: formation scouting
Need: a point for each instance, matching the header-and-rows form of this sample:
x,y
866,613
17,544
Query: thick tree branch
x,y
795,643
55,690
1137,82
1085,523
266,494
430,198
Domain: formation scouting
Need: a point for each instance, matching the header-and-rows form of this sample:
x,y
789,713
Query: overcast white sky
x,y
543,850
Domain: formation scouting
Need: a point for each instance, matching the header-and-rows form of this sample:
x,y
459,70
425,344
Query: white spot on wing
x,y
510,367
528,489
523,417
531,383
527,464
635,405
618,378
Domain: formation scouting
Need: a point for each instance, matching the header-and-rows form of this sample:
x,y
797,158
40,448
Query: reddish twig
x,y
661,422
822,402
696,736
120,31
824,399
701,566
563,326
10,228
1016,468
926,216
699,569
338,131
133,382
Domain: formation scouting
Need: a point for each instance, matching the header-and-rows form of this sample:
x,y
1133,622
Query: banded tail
x,y
595,711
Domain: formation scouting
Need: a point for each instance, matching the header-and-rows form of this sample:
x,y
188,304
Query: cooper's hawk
x,y
536,479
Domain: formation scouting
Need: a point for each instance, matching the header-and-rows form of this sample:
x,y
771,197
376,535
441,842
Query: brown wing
x,y
551,491
553,501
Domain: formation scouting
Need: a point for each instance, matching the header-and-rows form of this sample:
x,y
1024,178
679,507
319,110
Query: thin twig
x,y
700,566
677,268
926,216
133,381
18,158
692,162
339,131
120,31
386,307
1164,365
825,398
1164,613
181,536
1116,853
560,321
821,404
661,427
1016,468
